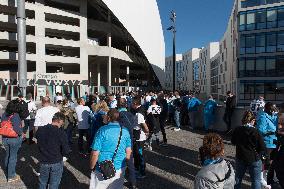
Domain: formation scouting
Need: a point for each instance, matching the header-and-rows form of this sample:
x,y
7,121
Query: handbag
x,y
6,129
107,167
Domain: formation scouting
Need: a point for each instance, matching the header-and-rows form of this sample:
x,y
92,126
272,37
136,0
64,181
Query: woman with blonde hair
x,y
98,112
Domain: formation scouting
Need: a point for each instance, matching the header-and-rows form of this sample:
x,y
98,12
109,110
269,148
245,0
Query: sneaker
x,y
64,159
176,129
164,144
15,178
140,176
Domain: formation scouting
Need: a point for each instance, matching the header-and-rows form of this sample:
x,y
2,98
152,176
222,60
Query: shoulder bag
x,y
107,167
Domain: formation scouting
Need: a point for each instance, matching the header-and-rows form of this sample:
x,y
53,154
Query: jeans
x,y
177,118
50,174
228,119
139,161
192,118
82,133
68,132
162,127
254,170
29,125
12,146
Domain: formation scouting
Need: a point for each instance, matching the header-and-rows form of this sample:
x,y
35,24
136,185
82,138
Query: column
x,y
84,61
127,76
99,77
109,56
40,36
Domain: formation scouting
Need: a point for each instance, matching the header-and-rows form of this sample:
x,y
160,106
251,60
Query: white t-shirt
x,y
113,104
141,120
257,105
148,98
154,109
58,98
83,113
44,116
31,107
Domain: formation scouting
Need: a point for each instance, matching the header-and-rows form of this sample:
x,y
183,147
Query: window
x,y
250,65
250,44
260,43
280,66
260,66
242,22
281,17
271,43
271,18
242,64
261,19
280,41
250,21
242,44
270,66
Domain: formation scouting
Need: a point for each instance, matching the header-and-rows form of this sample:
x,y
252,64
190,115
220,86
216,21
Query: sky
x,y
198,22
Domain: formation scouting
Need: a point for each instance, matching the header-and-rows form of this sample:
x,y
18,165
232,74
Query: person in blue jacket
x,y
209,112
192,107
267,123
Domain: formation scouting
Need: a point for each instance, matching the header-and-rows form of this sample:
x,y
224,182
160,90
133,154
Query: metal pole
x,y
174,59
22,62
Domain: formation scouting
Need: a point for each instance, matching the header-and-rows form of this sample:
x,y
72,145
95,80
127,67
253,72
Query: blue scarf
x,y
211,161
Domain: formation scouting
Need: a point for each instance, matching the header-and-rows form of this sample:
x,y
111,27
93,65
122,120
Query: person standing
x,y
45,114
209,112
249,150
70,120
12,145
192,107
229,110
23,108
29,121
267,123
83,114
177,104
139,135
113,143
215,172
53,145
153,113
257,105
163,116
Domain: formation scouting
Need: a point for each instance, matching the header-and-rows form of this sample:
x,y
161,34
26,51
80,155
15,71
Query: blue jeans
x,y
50,174
177,118
139,161
12,146
254,170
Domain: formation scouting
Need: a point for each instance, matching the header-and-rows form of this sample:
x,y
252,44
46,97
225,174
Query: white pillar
x,y
109,56
40,36
99,77
127,75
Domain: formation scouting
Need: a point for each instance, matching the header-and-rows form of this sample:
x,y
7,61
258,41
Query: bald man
x,y
45,114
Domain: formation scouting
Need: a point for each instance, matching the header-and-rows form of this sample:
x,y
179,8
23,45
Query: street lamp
x,y
173,29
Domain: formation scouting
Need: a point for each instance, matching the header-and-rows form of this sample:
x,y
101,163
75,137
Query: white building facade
x,y
83,46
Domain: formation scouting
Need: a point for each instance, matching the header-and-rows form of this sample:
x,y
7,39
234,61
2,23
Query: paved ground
x,y
172,167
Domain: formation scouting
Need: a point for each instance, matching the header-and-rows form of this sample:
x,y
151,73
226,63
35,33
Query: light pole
x,y
173,29
22,62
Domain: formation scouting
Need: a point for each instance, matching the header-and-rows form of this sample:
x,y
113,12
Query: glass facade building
x,y
261,51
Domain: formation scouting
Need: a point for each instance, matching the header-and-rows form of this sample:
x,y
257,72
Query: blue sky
x,y
198,22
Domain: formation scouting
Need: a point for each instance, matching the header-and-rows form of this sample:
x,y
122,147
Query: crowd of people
x,y
114,130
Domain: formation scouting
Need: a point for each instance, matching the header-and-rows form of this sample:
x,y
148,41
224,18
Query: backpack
x,y
6,129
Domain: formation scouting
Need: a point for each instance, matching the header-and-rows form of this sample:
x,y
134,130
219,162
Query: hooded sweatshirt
x,y
216,176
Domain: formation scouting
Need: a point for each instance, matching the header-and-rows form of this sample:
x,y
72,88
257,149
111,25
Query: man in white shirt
x,y
139,135
83,113
113,102
45,114
29,121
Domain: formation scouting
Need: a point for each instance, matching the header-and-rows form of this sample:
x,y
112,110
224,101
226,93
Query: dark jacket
x,y
23,110
52,143
230,104
16,122
249,144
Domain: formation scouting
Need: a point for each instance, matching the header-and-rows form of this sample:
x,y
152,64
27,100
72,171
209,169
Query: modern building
x,y
83,46
260,30
206,54
214,76
169,71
